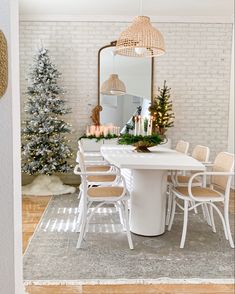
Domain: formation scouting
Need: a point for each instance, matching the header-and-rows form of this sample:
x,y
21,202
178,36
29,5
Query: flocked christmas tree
x,y
162,111
45,148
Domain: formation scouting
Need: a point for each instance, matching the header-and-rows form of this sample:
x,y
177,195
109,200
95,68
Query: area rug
x,y
52,257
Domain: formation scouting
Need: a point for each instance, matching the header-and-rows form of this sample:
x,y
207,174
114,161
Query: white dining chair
x,y
202,154
109,171
98,165
182,147
218,191
90,152
108,177
100,195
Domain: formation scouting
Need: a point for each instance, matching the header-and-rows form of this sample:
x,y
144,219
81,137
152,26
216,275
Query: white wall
x,y
196,66
231,105
10,194
231,109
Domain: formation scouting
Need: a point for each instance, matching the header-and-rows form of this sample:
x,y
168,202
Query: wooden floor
x,y
33,208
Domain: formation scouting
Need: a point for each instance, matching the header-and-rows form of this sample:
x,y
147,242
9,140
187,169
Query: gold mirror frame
x,y
113,44
3,64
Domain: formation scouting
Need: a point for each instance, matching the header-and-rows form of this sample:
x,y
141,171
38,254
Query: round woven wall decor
x,y
3,64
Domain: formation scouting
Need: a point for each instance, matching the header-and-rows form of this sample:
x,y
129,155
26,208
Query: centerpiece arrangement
x,y
141,135
141,142
144,132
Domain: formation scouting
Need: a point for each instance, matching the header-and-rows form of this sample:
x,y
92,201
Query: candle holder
x,y
142,143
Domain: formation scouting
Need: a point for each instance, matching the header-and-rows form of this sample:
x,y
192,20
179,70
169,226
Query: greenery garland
x,y
101,137
128,139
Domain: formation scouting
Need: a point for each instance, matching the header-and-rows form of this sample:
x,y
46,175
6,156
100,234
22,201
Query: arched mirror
x,y
125,86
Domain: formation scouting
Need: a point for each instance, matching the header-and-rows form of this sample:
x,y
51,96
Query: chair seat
x,y
103,178
97,168
105,191
182,179
198,192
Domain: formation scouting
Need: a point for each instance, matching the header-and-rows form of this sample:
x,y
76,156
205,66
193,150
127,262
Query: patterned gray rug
x,y
52,257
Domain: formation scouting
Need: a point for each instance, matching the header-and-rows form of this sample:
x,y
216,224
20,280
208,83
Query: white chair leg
x,y
222,219
226,217
212,218
122,211
127,226
172,213
195,208
204,212
83,226
80,211
129,204
185,224
208,219
79,194
169,207
121,215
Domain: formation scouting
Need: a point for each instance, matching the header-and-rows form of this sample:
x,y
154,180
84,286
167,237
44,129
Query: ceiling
x,y
126,8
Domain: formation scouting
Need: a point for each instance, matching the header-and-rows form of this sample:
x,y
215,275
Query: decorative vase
x,y
143,146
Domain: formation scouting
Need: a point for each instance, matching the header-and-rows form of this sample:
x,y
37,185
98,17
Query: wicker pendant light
x,y
113,86
140,39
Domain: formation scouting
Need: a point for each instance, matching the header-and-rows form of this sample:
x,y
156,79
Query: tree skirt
x,y
52,257
44,185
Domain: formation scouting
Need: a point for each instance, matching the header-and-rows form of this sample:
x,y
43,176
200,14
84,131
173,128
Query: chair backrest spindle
x,y
81,161
182,147
224,162
201,153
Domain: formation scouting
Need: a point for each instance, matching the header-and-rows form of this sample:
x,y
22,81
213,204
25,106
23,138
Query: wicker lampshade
x,y
113,86
140,39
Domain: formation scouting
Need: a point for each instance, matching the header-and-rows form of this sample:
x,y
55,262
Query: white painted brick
x,y
196,67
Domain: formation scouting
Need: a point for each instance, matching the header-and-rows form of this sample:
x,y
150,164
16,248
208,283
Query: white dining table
x,y
149,175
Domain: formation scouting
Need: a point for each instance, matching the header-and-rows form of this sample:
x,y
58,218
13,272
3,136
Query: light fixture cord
x,y
141,8
114,70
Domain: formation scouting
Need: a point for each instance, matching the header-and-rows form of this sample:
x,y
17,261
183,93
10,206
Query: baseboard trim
x,y
126,282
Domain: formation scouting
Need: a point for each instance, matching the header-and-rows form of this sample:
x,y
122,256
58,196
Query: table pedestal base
x,y
148,202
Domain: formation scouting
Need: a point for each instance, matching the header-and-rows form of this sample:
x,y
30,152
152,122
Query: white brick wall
x,y
196,67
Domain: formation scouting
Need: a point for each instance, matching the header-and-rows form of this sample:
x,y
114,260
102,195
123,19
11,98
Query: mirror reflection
x,y
125,87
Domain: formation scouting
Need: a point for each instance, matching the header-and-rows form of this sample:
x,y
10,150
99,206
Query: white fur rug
x,y
44,185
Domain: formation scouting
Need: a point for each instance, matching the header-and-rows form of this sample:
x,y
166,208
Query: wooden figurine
x,y
95,115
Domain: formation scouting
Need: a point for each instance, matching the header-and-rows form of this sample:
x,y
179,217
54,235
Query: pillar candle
x,y
97,132
87,131
151,126
139,125
106,131
135,125
148,126
92,130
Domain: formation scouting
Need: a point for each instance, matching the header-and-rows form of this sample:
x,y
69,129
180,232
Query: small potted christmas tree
x,y
45,149
162,111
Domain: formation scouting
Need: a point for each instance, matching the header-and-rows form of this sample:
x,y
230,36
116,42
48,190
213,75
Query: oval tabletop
x,y
160,158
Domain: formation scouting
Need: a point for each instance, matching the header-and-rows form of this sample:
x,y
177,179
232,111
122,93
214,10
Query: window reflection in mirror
x,y
135,73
